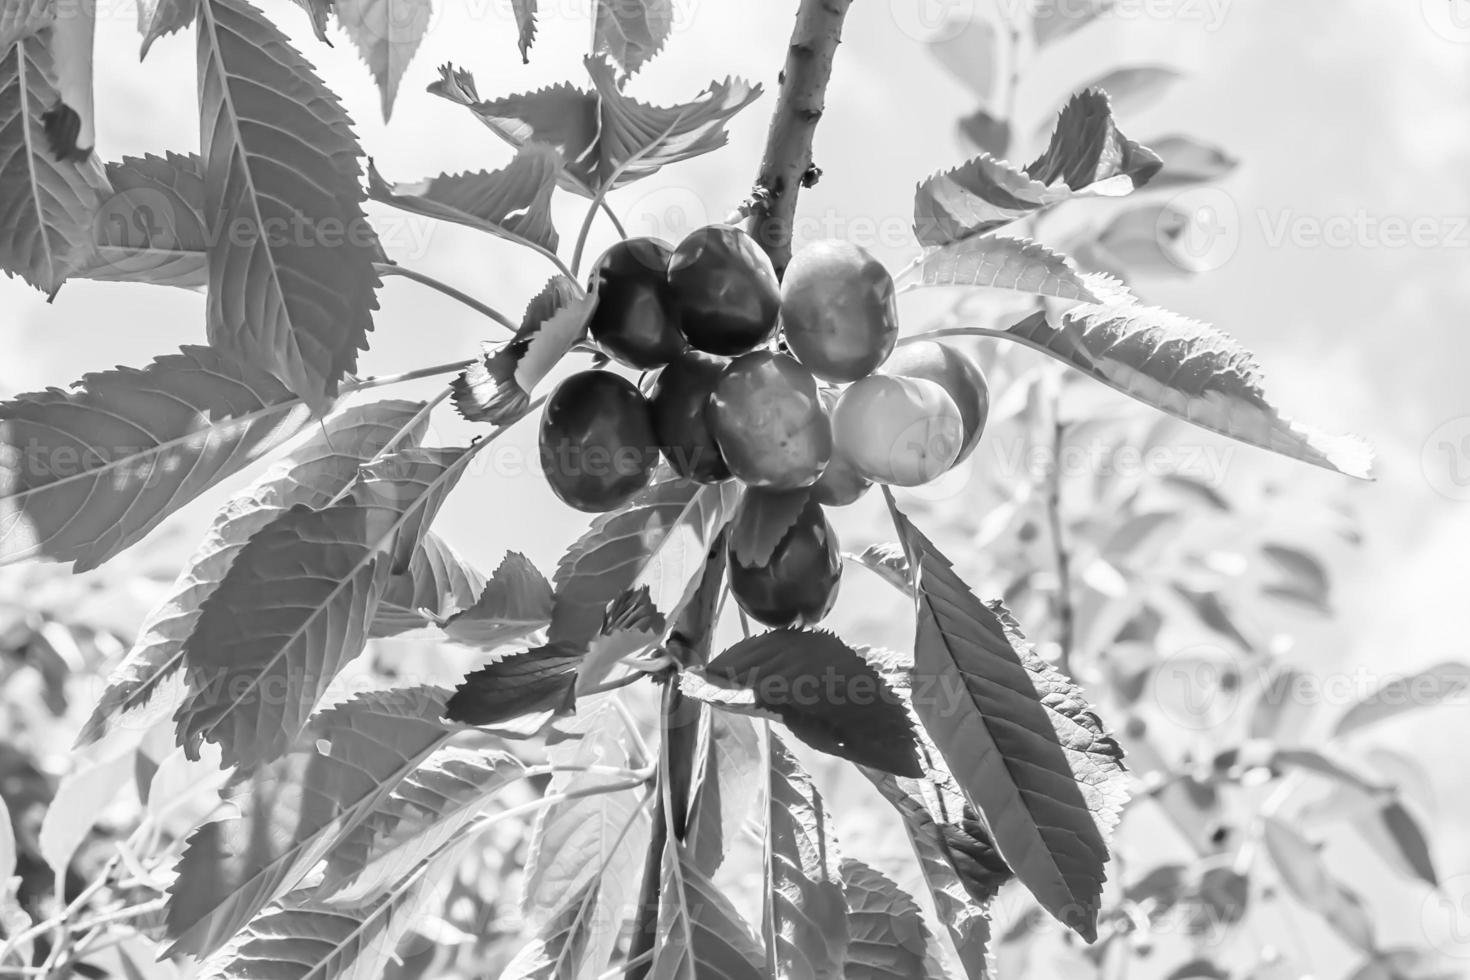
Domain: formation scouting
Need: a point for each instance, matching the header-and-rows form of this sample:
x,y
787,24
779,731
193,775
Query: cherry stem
x,y
391,269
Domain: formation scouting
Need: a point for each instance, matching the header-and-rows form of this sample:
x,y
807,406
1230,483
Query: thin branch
x,y
613,217
787,165
390,269
1061,557
365,384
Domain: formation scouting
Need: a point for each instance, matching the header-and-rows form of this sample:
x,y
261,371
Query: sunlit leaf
x,y
700,934
1001,263
386,33
1304,872
631,32
437,586
720,801
525,11
1442,683
888,939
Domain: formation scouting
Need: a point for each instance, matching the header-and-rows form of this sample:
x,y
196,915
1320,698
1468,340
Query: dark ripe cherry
x,y
725,290
798,584
597,442
681,420
768,420
840,484
838,310
954,371
634,320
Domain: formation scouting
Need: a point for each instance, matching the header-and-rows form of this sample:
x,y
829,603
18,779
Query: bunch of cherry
x,y
823,412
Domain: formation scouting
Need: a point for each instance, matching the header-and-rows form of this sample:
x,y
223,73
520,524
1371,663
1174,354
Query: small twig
x,y
365,384
1062,558
599,202
391,269
622,970
630,678
613,217
788,155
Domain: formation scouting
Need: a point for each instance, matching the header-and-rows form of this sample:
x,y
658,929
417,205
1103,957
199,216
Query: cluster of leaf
x,y
339,820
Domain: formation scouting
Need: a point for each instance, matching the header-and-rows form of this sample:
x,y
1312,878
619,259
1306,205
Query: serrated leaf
x,y
761,521
1189,161
513,202
559,946
1444,682
660,538
297,603
48,204
312,473
425,812
525,13
152,227
1002,263
22,18
292,286
805,918
631,627
966,919
1018,737
514,602
1087,156
1134,89
386,34
700,934
825,693
304,939
606,138
291,812
159,18
497,388
887,560
586,852
436,587
888,939
631,32
1305,875
1186,369
527,683
721,800
89,472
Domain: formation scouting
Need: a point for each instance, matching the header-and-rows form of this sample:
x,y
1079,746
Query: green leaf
x,y
528,683
1186,369
304,939
525,12
437,586
1052,20
1303,578
1444,682
296,605
89,472
888,938
700,934
21,18
1305,874
1087,156
630,628
292,286
660,539
1190,161
1001,263
631,31
49,203
313,472
823,691
1396,834
1018,737
1136,88
516,601
1408,964
73,811
606,138
587,852
729,764
7,843
513,202
805,917
386,33
292,811
152,227
761,521
966,919
497,389
427,811
559,947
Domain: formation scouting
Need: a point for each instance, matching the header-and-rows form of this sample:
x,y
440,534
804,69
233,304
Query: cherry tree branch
x,y
787,165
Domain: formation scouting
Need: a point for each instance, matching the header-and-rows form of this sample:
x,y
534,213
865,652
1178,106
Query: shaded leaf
x,y
312,473
1305,874
806,928
515,601
1018,737
297,603
22,18
888,939
437,585
293,810
89,472
1186,369
989,133
48,204
1190,161
630,627
559,946
80,798
525,12
1442,683
825,693
887,560
721,799
158,18
1396,834
152,227
700,935
540,680
513,202
761,521
386,33
631,32
1002,263
292,286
